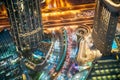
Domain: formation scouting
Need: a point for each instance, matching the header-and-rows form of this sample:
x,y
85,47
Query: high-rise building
x,y
25,19
105,22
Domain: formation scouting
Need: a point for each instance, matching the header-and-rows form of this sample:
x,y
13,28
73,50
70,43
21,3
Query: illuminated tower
x,y
105,22
25,21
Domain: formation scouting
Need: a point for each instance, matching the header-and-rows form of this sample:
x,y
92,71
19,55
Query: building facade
x,y
104,26
25,20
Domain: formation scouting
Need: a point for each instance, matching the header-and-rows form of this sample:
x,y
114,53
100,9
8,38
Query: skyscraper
x,y
25,19
105,22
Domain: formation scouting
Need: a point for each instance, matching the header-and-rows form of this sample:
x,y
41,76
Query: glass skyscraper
x,y
105,22
25,18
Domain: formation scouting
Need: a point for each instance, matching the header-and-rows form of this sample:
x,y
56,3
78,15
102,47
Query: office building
x,y
104,27
25,19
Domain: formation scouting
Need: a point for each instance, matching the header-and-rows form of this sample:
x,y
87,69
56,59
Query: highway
x,y
57,55
70,54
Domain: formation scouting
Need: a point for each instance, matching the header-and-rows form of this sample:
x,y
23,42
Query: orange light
x,y
57,4
63,12
3,11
